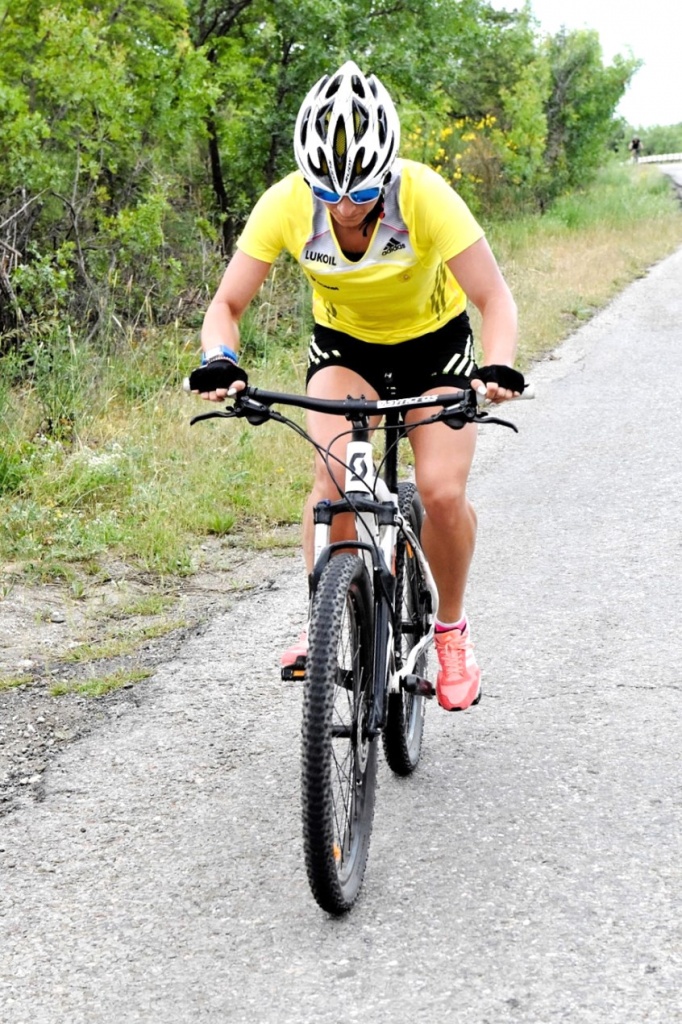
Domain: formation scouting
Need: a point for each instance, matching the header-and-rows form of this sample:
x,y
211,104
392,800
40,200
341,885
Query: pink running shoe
x,y
459,681
292,661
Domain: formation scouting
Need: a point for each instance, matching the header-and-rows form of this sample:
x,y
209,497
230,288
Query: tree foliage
x,y
100,105
136,137
581,105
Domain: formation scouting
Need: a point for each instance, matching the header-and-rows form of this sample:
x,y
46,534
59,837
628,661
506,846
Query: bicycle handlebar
x,y
348,406
255,405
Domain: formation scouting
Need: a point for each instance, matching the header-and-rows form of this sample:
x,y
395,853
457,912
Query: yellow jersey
x,y
401,287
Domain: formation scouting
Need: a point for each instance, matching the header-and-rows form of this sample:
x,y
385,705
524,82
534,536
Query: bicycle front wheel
x,y
339,761
404,728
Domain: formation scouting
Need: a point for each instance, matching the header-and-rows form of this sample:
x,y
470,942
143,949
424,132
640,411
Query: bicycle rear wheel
x,y
339,761
404,728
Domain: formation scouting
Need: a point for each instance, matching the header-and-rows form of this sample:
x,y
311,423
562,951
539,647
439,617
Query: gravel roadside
x,y
46,637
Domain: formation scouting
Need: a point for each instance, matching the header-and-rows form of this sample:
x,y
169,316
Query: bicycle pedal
x,y
418,686
295,671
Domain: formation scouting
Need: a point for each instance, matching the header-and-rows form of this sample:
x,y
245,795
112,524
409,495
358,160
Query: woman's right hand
x,y
216,379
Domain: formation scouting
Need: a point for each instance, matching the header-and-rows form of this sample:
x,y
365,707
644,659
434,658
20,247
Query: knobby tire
x,y
339,763
404,730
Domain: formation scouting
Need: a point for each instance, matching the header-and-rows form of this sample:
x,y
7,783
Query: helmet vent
x,y
322,122
362,169
340,148
304,128
357,86
382,125
360,120
322,168
333,87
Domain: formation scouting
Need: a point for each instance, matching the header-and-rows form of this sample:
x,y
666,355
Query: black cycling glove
x,y
219,373
505,376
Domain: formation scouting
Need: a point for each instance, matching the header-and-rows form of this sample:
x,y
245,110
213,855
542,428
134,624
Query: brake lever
x,y
458,416
223,414
484,417
244,408
456,420
254,412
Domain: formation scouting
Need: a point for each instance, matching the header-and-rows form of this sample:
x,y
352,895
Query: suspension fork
x,y
383,588
372,495
383,579
383,651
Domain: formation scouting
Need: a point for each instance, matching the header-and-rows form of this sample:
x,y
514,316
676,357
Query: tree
x,y
581,105
96,102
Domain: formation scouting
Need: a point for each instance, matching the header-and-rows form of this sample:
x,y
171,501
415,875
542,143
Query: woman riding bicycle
x,y
392,254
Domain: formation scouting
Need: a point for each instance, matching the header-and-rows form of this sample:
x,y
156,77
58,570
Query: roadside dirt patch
x,y
53,647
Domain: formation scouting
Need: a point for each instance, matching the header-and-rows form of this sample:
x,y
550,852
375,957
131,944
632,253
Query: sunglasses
x,y
360,196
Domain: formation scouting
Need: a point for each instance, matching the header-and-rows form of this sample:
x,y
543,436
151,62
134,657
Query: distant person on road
x,y
392,254
635,147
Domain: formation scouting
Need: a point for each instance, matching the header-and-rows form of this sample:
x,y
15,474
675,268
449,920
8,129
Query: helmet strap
x,y
376,213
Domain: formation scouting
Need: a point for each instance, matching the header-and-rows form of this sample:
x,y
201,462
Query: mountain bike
x,y
372,606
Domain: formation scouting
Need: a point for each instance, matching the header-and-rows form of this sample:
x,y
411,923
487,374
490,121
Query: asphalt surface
x,y
528,872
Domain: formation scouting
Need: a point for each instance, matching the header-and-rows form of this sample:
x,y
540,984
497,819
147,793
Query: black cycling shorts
x,y
443,358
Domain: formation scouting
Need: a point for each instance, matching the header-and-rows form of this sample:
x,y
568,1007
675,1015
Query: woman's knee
x,y
442,492
448,507
326,484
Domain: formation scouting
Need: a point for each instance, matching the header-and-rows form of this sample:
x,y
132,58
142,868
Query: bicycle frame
x,y
373,499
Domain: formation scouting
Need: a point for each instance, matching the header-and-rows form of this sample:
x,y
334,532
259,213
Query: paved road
x,y
529,872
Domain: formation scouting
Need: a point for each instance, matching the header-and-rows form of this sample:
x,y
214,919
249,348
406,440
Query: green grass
x,y
11,682
140,484
98,687
116,647
97,457
150,604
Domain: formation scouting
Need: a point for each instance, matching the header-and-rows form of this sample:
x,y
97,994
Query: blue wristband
x,y
221,352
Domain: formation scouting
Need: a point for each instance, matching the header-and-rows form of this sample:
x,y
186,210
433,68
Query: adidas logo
x,y
392,246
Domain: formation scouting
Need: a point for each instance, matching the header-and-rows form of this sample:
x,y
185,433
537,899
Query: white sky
x,y
652,29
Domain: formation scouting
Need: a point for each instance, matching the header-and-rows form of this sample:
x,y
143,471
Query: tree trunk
x,y
219,190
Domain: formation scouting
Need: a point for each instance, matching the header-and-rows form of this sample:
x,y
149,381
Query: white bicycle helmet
x,y
347,132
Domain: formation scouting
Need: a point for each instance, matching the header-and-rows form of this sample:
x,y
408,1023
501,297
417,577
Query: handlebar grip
x,y
527,394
